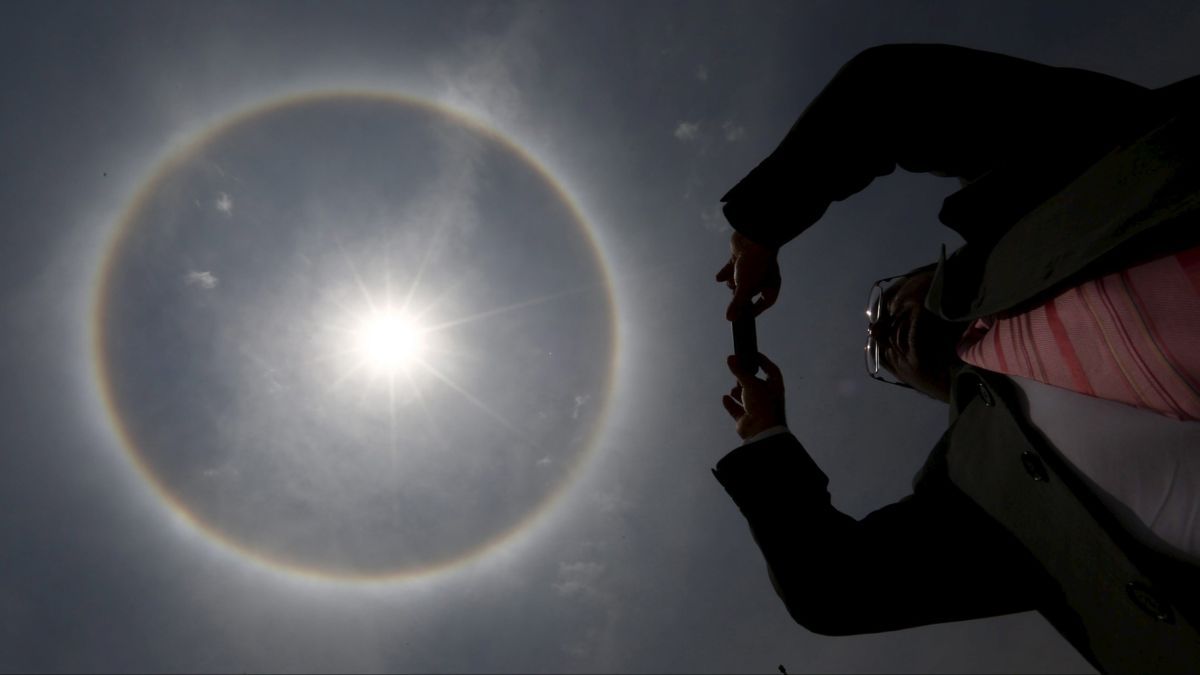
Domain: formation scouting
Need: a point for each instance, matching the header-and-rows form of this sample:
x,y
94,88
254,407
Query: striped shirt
x,y
1130,343
1132,336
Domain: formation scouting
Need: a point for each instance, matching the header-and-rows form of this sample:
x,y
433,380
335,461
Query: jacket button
x,y
1034,466
1149,602
985,394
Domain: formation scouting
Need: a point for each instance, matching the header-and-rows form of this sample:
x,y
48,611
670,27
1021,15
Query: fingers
x,y
726,273
769,367
742,296
740,373
768,298
734,409
733,311
744,377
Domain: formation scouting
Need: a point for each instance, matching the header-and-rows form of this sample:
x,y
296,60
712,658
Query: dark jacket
x,y
1068,175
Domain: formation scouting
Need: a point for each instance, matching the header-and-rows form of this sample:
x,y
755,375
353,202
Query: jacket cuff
x,y
763,475
766,433
761,222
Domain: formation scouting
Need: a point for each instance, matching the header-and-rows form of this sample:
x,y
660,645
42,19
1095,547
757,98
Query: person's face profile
x,y
916,346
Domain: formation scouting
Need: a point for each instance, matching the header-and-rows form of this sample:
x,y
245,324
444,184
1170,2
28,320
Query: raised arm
x,y
932,557
940,109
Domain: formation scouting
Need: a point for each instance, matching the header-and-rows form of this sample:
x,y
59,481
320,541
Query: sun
x,y
387,341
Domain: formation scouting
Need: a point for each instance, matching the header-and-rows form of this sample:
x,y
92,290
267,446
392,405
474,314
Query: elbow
x,y
817,618
816,609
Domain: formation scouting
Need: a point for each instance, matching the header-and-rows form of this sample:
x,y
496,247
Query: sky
x,y
218,212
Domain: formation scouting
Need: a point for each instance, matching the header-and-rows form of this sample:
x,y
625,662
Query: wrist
x,y
755,223
760,426
765,434
745,244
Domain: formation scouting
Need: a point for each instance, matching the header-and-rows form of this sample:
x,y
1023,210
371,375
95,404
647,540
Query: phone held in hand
x,y
745,343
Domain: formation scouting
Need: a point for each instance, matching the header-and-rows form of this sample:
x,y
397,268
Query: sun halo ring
x,y
371,339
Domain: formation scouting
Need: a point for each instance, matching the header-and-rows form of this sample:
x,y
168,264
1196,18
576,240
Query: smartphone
x,y
745,343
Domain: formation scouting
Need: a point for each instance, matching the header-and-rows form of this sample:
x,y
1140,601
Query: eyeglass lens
x,y
874,314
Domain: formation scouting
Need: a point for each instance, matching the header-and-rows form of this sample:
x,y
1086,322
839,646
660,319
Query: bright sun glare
x,y
388,341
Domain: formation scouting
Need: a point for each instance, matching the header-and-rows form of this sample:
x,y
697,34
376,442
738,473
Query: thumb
x,y
740,304
726,272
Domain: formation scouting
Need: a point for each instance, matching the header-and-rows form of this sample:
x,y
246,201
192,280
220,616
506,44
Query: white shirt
x,y
1145,466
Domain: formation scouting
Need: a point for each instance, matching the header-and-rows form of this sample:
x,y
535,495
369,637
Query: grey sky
x,y
646,114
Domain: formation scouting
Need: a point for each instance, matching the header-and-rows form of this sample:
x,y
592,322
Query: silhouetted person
x,y
1064,335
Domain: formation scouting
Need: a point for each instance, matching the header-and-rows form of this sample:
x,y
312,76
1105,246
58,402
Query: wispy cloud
x,y
579,579
224,203
701,73
613,502
488,74
580,401
687,131
714,221
733,132
585,647
204,280
585,582
225,472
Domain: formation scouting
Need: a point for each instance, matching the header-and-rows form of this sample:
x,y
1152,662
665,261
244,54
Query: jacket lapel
x,y
1139,201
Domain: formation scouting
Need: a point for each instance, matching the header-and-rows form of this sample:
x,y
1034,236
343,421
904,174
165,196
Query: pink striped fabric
x,y
1132,337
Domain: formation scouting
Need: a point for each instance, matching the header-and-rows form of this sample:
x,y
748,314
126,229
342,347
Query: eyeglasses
x,y
877,322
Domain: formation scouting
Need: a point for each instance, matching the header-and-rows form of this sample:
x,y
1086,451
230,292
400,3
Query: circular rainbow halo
x,y
319,344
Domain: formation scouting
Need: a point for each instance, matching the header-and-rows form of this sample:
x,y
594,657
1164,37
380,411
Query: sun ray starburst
x,y
392,338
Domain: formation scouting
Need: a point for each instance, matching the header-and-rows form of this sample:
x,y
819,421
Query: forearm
x,y
915,562
940,109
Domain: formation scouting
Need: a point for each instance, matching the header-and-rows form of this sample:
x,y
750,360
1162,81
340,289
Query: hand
x,y
752,269
755,404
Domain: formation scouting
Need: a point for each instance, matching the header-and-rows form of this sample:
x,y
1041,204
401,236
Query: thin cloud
x,y
714,221
733,132
204,280
580,401
613,502
687,131
701,73
583,583
223,472
486,74
585,647
224,203
579,579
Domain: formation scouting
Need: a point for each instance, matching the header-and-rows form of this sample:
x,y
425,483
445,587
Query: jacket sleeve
x,y
932,557
941,109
